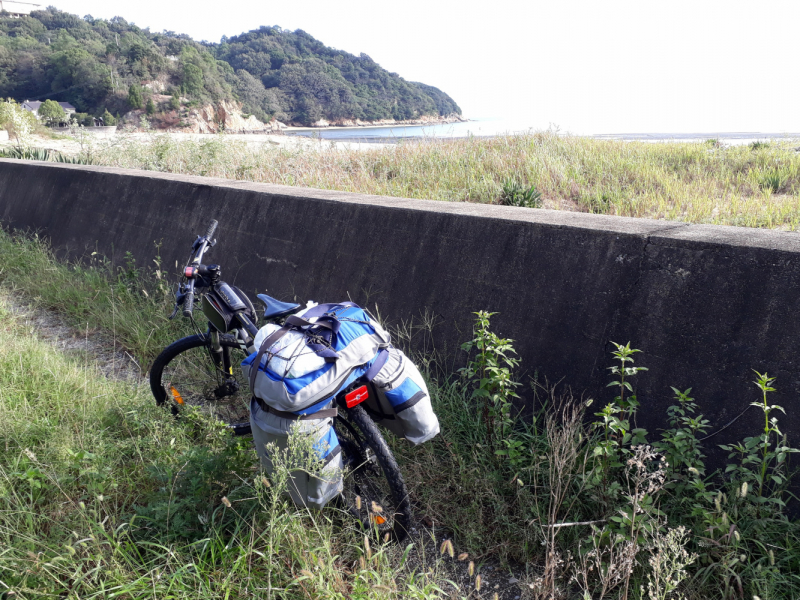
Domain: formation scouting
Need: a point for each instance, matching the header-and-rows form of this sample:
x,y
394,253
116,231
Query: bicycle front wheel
x,y
374,490
189,373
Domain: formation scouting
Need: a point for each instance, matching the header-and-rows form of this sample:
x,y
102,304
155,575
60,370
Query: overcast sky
x,y
583,65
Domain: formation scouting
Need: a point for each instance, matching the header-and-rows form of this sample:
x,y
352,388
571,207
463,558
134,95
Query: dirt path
x,y
53,328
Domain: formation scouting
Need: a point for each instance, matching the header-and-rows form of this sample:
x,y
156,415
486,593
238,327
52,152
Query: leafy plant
x,y
680,444
44,154
616,433
27,153
668,562
489,372
762,458
516,194
79,159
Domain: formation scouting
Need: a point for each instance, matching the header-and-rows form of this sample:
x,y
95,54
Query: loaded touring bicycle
x,y
326,371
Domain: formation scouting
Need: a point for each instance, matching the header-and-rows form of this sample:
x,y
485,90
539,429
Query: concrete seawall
x,y
706,304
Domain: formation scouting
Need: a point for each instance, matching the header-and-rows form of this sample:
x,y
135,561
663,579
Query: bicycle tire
x,y
386,488
185,373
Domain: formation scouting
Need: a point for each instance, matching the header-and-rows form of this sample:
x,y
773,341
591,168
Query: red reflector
x,y
357,396
189,272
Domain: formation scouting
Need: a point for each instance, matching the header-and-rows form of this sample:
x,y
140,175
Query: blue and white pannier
x,y
301,368
402,403
306,489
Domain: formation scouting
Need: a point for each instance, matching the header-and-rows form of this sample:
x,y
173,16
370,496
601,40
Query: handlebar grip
x,y
211,229
188,304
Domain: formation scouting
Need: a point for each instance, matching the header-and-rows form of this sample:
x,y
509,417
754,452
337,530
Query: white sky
x,y
584,65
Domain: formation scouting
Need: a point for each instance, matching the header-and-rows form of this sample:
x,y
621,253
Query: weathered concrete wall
x,y
705,303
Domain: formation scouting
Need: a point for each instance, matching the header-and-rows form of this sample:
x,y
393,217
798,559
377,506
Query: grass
x,y
101,492
752,186
129,305
104,495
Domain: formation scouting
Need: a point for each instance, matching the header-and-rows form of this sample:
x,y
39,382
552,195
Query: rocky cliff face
x,y
227,116
210,118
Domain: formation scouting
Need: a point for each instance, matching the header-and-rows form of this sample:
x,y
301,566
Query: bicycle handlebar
x,y
188,303
211,229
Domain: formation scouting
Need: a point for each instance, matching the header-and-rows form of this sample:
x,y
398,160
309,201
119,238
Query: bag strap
x,y
315,416
326,323
267,343
320,335
380,360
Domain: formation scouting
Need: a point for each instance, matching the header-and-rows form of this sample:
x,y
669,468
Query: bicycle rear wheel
x,y
189,373
374,490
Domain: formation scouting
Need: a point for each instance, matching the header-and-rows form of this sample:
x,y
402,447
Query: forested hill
x,y
93,63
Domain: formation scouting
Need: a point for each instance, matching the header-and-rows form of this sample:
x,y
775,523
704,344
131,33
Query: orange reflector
x,y
377,519
176,395
357,396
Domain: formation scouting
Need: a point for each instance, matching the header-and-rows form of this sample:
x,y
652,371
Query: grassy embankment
x,y
753,186
102,493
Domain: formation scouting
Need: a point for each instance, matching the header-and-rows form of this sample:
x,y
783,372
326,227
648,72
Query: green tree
x,y
175,101
19,123
109,119
135,99
51,112
193,79
92,63
150,109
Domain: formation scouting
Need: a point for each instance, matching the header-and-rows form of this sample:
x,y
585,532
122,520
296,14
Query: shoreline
x,y
375,125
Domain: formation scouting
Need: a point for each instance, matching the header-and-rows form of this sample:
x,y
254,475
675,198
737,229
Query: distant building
x,y
19,9
33,105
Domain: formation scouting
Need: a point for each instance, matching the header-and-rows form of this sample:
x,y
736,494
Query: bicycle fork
x,y
221,355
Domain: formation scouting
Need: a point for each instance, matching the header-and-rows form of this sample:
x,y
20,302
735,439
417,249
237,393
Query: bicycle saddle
x,y
275,308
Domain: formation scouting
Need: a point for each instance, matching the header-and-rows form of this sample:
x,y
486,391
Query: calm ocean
x,y
494,127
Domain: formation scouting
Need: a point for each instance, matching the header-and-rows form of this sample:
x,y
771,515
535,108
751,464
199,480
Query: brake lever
x,y
180,296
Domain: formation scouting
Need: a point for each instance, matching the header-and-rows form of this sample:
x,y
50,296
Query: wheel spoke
x,y
188,376
368,494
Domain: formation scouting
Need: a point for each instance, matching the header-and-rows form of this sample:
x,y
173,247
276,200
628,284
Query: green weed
x,y
516,194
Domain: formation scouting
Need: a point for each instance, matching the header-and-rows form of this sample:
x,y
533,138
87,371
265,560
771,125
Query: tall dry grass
x,y
753,186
